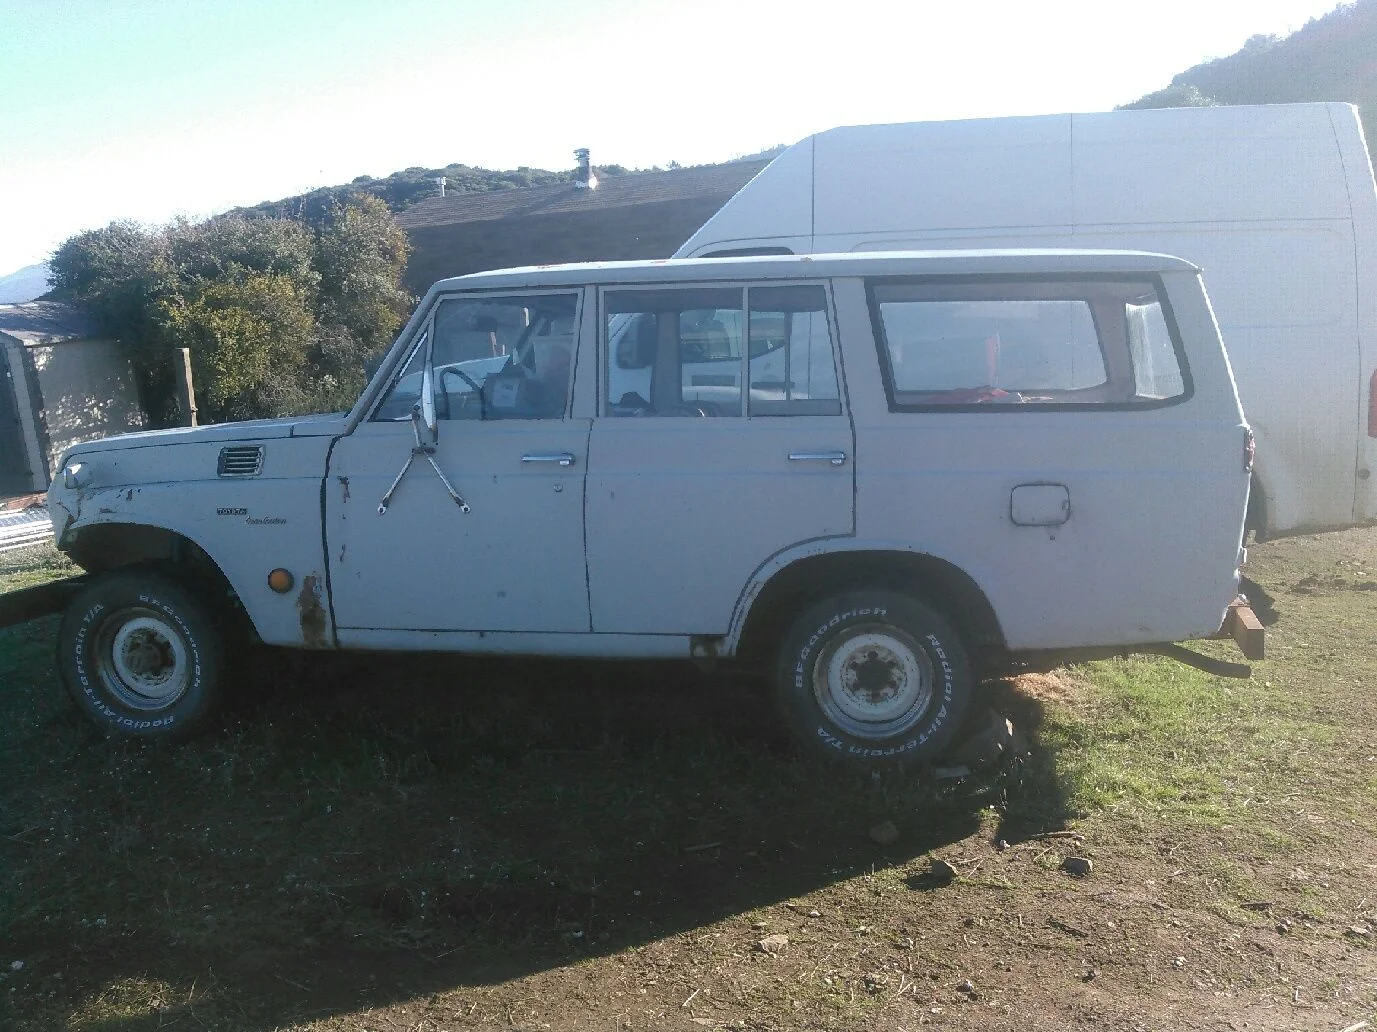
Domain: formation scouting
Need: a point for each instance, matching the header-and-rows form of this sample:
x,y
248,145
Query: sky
x,y
155,109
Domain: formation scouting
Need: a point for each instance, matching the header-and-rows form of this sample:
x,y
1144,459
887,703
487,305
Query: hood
x,y
248,430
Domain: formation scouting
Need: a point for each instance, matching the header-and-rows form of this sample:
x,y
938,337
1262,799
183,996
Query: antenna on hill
x,y
584,179
440,181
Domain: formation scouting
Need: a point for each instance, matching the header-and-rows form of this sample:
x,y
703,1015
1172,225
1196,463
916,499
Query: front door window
x,y
494,357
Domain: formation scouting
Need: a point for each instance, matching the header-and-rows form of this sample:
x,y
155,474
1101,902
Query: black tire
x,y
919,681
141,656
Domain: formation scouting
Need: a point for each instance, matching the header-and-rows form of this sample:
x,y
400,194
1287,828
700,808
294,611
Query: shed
x,y
638,215
61,383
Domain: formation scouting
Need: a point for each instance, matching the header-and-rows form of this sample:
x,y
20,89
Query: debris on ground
x,y
24,528
773,943
1079,866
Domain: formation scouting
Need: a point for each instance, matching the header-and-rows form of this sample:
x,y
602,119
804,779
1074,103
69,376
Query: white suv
x,y
877,476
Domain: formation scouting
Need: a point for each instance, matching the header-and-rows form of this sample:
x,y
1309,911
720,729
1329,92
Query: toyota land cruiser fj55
x,y
877,477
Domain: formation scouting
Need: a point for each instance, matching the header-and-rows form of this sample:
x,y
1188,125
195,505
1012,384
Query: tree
x,y
249,337
1170,97
112,272
231,245
279,316
360,255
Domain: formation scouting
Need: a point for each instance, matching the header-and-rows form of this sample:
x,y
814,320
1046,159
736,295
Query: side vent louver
x,y
241,460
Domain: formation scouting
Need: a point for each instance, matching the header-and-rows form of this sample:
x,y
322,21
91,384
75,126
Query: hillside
x,y
1331,58
24,285
402,189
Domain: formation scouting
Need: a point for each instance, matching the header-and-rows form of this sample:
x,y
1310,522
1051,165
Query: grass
x,y
26,567
1168,743
403,842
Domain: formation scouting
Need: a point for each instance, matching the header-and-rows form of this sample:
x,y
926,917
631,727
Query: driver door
x,y
515,561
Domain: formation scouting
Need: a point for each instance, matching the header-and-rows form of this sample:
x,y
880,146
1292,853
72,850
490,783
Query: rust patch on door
x,y
344,488
311,612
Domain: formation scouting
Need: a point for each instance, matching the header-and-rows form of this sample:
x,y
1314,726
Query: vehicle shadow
x,y
1034,800
372,830
1264,605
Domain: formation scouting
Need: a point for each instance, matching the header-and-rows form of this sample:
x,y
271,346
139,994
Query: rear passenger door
x,y
722,439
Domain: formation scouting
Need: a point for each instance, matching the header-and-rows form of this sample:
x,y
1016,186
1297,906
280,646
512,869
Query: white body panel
x,y
514,563
704,503
247,526
943,480
1275,204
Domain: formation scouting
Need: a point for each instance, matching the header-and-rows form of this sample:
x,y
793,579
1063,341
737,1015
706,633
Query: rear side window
x,y
1156,371
688,351
1020,343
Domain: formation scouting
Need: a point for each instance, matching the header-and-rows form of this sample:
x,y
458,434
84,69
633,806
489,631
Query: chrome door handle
x,y
562,458
834,457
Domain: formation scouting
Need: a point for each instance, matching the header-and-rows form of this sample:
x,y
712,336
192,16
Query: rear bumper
x,y
26,604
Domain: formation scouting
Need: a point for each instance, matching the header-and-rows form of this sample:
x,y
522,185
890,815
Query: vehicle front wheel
x,y
141,655
873,678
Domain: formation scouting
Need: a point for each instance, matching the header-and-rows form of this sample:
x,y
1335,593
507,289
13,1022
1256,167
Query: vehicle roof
x,y
1220,118
868,263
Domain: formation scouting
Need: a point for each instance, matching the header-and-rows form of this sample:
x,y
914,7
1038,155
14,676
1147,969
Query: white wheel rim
x,y
874,683
144,662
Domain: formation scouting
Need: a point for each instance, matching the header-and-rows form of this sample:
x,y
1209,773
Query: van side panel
x,y
1004,172
784,220
1362,192
1236,164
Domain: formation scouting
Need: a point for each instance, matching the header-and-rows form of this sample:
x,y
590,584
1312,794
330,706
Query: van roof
x,y
869,263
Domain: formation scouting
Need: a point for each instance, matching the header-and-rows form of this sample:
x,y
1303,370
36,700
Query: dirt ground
x,y
645,852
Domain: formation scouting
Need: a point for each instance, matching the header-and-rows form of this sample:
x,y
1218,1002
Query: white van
x,y
1275,203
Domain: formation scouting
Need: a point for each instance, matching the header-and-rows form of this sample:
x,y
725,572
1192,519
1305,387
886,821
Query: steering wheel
x,y
685,410
477,390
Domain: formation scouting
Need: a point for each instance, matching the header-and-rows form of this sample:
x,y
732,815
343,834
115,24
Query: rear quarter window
x,y
1018,344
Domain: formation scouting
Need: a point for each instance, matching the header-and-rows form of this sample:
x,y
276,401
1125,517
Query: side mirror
x,y
426,404
424,409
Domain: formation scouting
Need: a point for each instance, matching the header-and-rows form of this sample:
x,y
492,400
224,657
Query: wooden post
x,y
186,389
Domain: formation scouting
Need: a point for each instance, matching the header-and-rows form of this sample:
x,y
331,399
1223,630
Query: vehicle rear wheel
x,y
141,655
873,677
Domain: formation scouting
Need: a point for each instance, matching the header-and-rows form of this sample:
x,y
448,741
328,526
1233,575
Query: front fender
x,y
247,526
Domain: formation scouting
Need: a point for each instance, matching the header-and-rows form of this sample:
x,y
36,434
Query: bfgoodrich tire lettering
x,y
140,656
873,678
